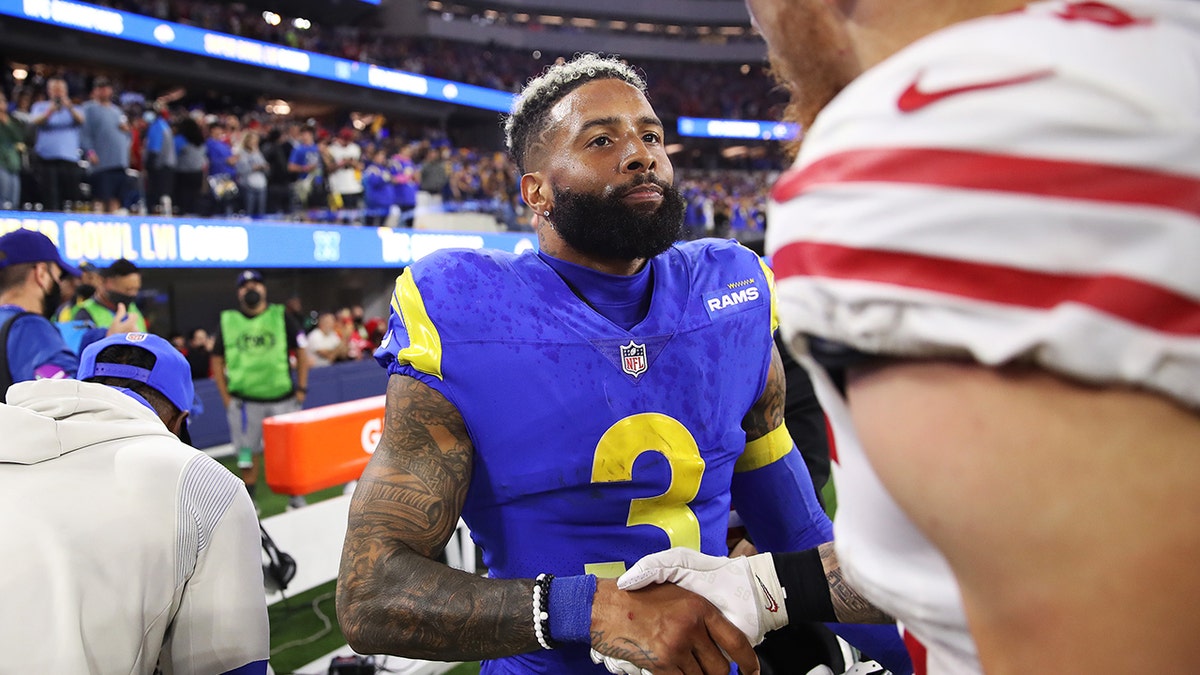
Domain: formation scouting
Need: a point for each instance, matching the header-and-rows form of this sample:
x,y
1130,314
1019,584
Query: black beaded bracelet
x,y
541,610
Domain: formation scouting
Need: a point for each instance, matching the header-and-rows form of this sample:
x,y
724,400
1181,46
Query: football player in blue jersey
x,y
608,396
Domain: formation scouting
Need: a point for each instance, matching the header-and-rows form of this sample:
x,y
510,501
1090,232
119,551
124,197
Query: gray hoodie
x,y
108,520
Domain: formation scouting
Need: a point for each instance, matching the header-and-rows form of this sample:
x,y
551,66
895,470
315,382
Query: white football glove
x,y
746,589
617,666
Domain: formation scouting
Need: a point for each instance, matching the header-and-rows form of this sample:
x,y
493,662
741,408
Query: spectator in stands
x,y
325,344
58,122
377,187
276,149
435,174
105,141
159,161
22,105
119,287
124,548
252,170
222,172
404,184
12,146
190,166
499,183
250,365
344,159
199,353
303,163
295,311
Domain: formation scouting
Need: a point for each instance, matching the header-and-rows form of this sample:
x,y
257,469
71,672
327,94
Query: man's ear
x,y
178,422
536,192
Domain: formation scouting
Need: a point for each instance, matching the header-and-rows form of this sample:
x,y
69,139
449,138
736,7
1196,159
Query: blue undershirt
x,y
623,300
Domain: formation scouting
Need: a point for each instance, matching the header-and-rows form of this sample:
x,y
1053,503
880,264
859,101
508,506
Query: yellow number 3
x,y
616,453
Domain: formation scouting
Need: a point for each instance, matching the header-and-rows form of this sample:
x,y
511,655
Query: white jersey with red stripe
x,y
1022,188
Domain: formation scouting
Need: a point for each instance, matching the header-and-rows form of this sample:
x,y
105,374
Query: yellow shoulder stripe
x,y
424,350
766,450
771,289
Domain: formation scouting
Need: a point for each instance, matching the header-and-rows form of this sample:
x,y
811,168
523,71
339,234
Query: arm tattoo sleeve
x,y
392,597
767,413
848,605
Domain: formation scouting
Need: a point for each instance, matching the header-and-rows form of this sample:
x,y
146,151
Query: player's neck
x,y
553,245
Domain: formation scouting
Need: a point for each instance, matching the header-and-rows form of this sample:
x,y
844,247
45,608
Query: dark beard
x,y
606,228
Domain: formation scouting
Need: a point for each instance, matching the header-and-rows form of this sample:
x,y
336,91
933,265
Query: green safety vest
x,y
256,354
103,317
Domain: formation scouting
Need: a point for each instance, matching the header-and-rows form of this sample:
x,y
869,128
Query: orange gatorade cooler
x,y
315,449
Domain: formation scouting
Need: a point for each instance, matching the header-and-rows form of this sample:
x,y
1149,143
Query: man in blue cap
x,y
30,346
123,547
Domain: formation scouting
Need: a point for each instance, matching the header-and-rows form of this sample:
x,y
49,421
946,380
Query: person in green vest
x,y
120,284
251,366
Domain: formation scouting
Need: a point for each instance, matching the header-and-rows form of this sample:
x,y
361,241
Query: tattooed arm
x,y
848,605
392,596
771,487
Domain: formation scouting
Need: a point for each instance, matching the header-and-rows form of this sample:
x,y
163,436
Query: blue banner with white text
x,y
155,242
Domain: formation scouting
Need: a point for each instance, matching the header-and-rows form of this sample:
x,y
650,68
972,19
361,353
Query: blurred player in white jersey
x,y
994,225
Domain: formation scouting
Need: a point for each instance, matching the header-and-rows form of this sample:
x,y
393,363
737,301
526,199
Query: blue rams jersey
x,y
594,445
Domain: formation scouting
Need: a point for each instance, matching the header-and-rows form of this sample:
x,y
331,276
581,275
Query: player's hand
x,y
123,321
746,590
665,630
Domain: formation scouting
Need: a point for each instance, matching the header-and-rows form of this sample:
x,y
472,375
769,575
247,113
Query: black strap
x,y
6,376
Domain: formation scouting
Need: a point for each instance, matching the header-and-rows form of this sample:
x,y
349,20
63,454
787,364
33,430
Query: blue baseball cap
x,y
28,246
171,375
248,276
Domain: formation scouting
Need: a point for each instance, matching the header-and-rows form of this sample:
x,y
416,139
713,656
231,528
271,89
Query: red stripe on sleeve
x,y
998,173
916,652
1139,302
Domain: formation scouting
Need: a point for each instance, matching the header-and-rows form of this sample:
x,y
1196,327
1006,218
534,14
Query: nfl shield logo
x,y
633,358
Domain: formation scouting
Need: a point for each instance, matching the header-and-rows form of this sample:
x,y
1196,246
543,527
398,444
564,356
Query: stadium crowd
x,y
718,90
196,157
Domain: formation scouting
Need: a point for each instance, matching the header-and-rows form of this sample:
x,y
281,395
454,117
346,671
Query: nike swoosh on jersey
x,y
914,98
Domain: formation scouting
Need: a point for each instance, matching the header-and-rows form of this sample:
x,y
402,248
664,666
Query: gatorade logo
x,y
371,432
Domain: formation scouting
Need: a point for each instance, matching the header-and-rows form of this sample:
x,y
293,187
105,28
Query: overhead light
x,y
537,54
435,5
278,107
301,23
20,73
521,17
645,27
732,30
272,18
745,69
674,30
734,151
618,25
551,20
583,23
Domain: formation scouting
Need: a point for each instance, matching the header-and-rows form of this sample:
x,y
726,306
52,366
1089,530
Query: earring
x,y
546,213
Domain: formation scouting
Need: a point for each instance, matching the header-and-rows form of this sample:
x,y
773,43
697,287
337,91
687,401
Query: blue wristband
x,y
571,608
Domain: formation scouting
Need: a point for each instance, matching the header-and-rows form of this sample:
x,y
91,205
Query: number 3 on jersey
x,y
613,462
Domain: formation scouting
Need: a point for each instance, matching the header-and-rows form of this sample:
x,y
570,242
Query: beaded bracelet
x,y
541,617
